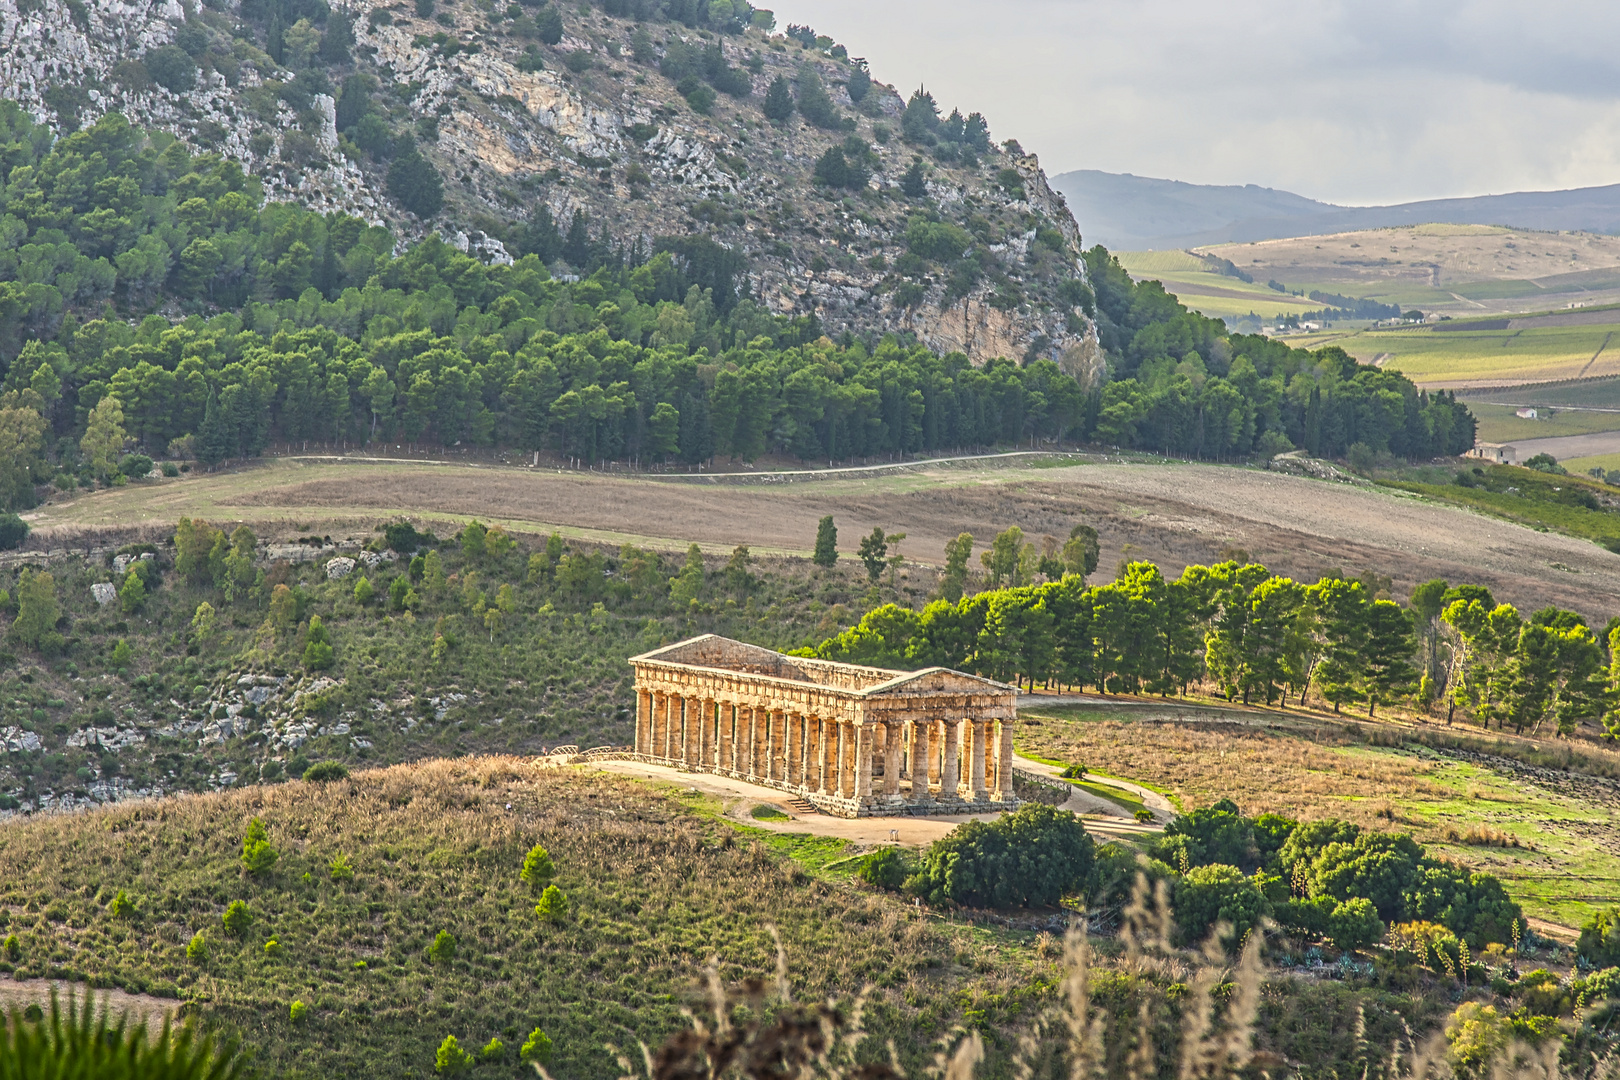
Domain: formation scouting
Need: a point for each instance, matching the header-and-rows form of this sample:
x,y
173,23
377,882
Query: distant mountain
x,y
1134,213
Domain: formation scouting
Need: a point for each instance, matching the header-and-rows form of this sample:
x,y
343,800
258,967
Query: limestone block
x,y
104,593
340,567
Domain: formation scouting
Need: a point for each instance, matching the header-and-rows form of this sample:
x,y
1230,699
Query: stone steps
x,y
802,807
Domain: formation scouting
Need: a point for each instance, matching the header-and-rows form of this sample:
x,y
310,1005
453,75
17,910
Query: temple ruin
x,y
852,740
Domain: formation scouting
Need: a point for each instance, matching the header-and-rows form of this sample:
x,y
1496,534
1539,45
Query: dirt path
x,y
20,995
740,799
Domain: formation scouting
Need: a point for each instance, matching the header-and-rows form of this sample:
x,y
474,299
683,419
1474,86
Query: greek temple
x,y
853,741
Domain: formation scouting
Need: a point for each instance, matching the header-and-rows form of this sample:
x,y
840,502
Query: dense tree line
x,y
1253,635
323,332
1181,385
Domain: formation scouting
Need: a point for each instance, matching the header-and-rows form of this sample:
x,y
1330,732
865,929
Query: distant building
x,y
1525,414
1495,453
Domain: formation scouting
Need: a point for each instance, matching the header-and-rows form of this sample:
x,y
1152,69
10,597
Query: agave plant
x,y
81,1040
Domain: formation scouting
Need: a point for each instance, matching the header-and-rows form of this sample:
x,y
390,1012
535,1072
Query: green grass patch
x,y
1118,796
767,813
1573,504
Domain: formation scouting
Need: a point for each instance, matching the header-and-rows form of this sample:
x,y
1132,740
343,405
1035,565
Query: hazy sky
x,y
1353,101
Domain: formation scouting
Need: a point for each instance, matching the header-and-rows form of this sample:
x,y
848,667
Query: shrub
x,y
12,947
170,469
122,907
1034,856
135,466
318,654
257,854
1215,835
538,869
885,868
1208,895
132,594
553,905
536,1048
1354,924
298,1010
443,947
13,531
273,949
340,870
197,948
451,1058
493,1050
171,68
1073,772
237,918
1599,944
363,592
122,654
324,771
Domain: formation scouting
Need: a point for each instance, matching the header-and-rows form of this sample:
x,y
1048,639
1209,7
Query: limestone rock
x,y
340,567
104,593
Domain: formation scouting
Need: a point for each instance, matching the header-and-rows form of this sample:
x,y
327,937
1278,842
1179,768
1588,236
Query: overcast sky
x,y
1354,101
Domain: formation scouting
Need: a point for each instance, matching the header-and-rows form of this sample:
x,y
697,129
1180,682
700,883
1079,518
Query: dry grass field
x,y
1172,513
1456,269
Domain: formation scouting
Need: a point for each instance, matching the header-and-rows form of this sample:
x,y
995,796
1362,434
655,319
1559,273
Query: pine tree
x,y
957,552
778,101
873,550
549,25
1386,650
577,247
353,102
859,84
414,183
214,440
915,182
826,543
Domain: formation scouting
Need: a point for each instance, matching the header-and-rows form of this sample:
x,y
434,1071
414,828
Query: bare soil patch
x,y
1173,514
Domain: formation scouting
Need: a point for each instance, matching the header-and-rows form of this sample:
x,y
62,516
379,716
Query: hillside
x,y
655,886
1135,212
563,130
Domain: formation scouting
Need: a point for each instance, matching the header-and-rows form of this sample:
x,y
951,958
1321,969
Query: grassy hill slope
x,y
654,893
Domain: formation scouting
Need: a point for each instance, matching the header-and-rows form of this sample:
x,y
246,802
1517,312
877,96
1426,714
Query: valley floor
x,y
1173,513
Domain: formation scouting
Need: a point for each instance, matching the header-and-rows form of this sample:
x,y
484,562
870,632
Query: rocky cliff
x,y
601,122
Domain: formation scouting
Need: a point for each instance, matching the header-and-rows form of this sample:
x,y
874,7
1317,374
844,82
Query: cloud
x,y
1353,101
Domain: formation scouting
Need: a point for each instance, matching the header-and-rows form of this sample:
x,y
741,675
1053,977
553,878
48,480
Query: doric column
x,y
818,777
1004,759
642,737
950,776
654,747
864,760
891,759
795,743
672,726
922,759
843,783
745,733
976,776
694,731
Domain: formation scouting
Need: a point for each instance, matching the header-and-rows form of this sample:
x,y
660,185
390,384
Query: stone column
x,y
949,769
795,744
842,783
864,760
818,755
722,739
891,759
671,726
643,714
979,729
922,759
1004,760
655,725
745,736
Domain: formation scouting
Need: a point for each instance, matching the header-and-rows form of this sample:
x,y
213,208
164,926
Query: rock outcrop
x,y
580,127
